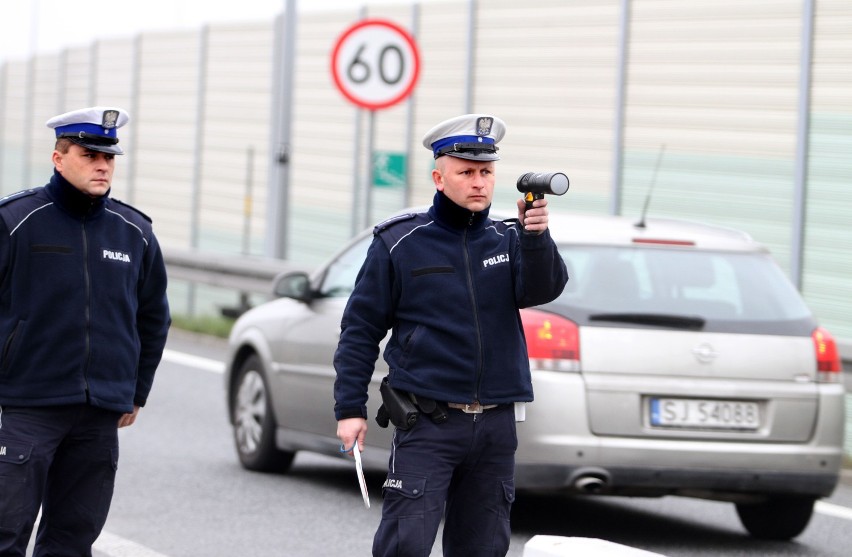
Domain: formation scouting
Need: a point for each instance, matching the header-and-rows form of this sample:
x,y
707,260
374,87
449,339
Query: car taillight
x,y
828,358
553,342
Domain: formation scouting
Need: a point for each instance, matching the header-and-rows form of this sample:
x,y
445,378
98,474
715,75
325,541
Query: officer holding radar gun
x,y
449,283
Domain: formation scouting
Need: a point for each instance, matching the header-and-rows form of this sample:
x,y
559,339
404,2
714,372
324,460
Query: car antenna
x,y
641,223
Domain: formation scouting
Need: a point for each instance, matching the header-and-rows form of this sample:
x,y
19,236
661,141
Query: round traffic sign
x,y
375,64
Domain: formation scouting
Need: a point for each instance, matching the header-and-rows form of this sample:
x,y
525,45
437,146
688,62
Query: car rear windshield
x,y
681,288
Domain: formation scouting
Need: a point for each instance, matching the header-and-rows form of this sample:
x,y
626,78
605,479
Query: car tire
x,y
254,422
777,518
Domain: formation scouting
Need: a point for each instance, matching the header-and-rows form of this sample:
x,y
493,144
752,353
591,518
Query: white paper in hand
x,y
359,470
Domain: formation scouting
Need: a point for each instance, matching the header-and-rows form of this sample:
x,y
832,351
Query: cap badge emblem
x,y
109,119
483,125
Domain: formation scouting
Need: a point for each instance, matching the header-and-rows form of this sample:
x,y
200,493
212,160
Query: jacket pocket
x,y
433,271
10,346
410,344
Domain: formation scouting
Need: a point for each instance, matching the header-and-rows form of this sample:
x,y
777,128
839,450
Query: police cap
x,y
470,136
94,128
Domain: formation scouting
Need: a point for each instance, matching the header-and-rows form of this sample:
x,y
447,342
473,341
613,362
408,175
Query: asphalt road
x,y
181,493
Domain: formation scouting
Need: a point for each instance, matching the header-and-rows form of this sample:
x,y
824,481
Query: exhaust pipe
x,y
589,484
590,480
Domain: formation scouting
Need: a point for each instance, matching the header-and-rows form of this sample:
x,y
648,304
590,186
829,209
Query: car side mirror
x,y
295,285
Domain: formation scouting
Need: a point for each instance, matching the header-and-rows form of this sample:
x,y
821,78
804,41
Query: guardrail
x,y
243,273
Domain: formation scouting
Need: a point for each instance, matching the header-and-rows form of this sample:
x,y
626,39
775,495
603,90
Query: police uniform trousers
x,y
462,470
64,459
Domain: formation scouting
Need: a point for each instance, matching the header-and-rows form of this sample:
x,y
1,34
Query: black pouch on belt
x,y
397,407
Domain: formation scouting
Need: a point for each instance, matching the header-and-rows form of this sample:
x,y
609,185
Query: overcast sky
x,y
45,26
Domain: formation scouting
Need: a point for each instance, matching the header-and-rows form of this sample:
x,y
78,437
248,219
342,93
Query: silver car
x,y
679,360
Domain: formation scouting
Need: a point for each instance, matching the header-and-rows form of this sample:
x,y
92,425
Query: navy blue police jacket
x,y
83,308
449,284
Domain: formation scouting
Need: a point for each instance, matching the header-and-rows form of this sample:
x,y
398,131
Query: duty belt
x,y
472,407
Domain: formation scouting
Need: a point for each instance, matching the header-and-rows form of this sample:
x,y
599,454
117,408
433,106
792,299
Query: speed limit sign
x,y
375,64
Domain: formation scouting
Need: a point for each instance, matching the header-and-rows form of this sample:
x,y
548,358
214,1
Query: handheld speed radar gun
x,y
535,184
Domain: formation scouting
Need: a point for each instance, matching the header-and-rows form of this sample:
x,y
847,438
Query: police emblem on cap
x,y
483,125
109,119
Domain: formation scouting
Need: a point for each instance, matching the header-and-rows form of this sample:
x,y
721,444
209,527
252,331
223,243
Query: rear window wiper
x,y
657,319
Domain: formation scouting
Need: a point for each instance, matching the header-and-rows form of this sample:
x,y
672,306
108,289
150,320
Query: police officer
x,y
448,283
83,323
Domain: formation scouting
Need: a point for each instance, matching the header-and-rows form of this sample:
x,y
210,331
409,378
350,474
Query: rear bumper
x,y
558,451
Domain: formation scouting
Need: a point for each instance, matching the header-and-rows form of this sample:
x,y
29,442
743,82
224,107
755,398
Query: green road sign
x,y
388,169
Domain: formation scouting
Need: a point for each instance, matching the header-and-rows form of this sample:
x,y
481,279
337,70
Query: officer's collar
x,y
456,216
73,200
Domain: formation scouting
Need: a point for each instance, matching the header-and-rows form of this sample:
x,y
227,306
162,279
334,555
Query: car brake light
x,y
828,358
553,342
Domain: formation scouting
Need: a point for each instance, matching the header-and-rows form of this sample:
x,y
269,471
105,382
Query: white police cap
x,y
470,136
94,128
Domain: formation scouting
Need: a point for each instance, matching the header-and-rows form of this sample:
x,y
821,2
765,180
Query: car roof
x,y
611,230
624,231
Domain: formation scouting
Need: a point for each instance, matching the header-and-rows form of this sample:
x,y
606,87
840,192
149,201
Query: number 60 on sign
x,y
375,64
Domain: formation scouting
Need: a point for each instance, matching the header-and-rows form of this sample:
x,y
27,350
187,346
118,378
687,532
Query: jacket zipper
x,y
87,280
475,312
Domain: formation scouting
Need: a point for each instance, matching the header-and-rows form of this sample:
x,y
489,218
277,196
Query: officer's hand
x,y
128,419
534,219
350,429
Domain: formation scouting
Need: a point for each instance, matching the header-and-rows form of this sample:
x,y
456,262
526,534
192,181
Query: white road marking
x,y
831,509
190,360
111,545
116,546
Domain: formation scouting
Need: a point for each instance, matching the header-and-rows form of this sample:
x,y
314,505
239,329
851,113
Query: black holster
x,y
397,408
437,411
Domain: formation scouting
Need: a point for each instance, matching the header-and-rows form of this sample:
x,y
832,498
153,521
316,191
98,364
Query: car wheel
x,y
777,518
254,422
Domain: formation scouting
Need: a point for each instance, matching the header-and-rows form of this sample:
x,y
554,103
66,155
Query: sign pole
x,y
277,212
371,139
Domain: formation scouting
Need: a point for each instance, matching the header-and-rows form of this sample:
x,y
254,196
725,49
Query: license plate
x,y
704,414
